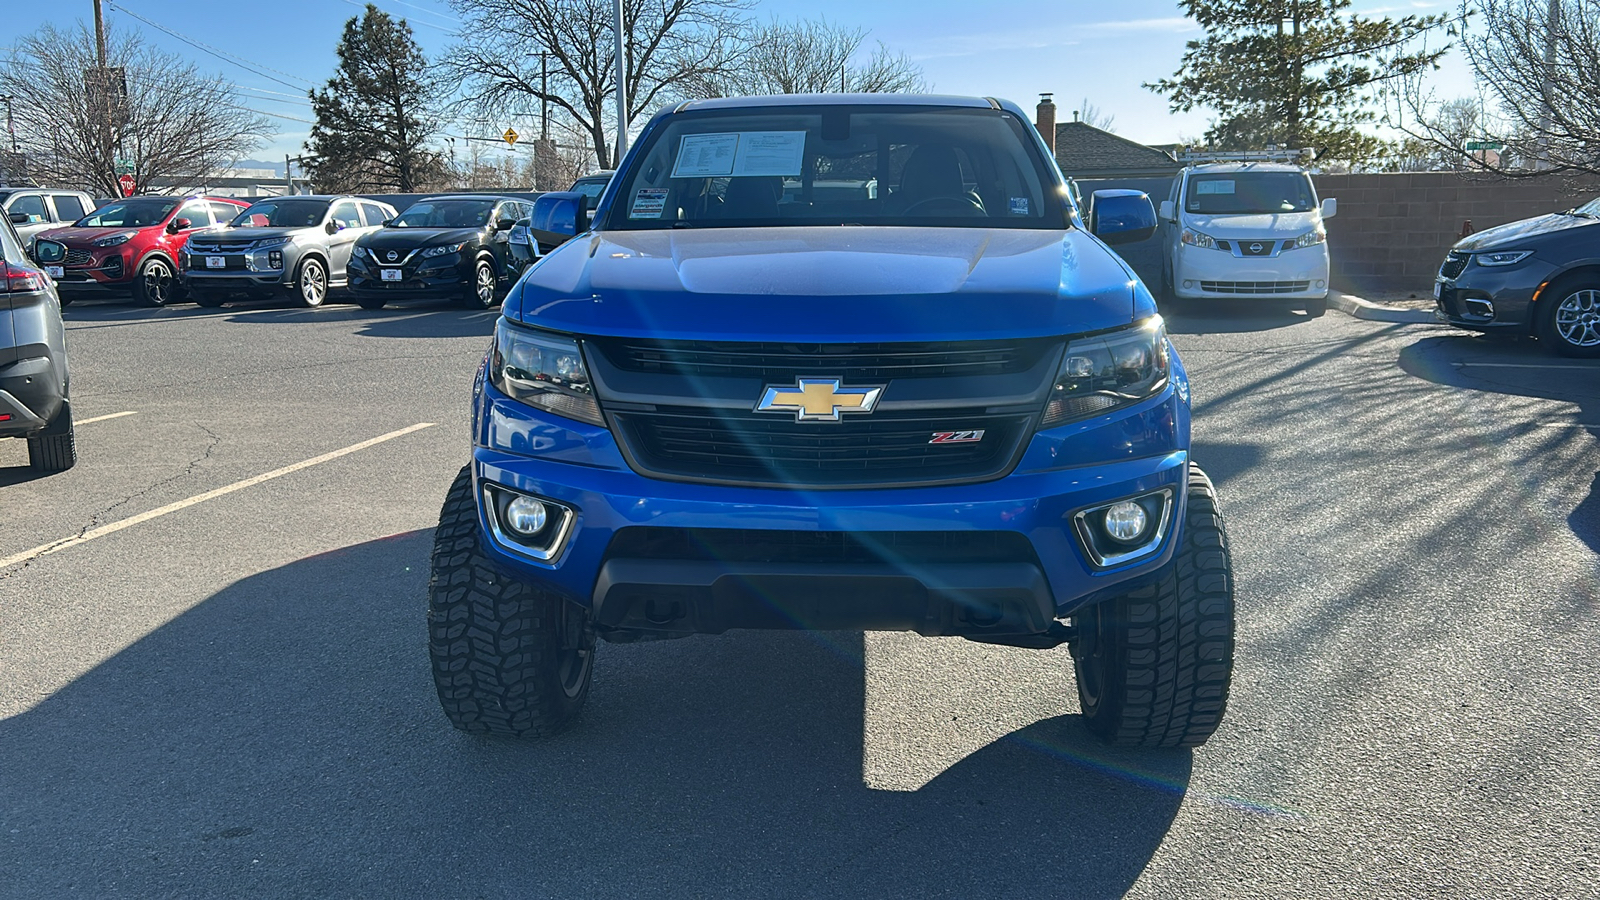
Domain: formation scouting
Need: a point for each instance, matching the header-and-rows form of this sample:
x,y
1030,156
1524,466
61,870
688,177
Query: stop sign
x,y
127,185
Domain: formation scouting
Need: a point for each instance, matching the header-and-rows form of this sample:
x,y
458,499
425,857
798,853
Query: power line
x,y
417,22
219,54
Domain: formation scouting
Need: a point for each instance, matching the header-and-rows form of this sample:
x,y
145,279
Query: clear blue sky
x,y
1016,49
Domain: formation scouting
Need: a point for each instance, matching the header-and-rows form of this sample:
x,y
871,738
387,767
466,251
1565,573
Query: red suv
x,y
131,246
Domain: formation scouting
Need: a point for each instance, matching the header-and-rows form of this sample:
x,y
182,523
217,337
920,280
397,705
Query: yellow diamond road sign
x,y
511,136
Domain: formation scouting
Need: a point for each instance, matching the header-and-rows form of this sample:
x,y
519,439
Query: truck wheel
x,y
480,293
508,658
54,449
1154,665
1569,319
311,285
1317,308
154,285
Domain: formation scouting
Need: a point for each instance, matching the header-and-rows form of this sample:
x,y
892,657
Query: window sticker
x,y
1214,186
770,153
705,155
648,203
1019,206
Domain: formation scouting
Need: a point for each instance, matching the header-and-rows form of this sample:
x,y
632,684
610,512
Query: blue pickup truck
x,y
834,362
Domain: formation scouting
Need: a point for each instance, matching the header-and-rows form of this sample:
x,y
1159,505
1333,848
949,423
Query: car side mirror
x,y
47,252
1166,212
333,227
559,215
1122,216
1330,208
505,224
177,225
386,223
20,218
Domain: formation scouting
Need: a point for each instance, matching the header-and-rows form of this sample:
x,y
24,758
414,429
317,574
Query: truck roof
x,y
839,100
1205,168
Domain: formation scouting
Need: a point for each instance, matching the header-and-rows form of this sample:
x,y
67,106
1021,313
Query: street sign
x,y
1485,145
511,136
127,184
124,166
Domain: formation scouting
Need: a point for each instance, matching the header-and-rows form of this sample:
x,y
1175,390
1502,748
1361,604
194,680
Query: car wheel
x,y
1318,307
154,285
55,449
371,302
1154,665
508,658
480,294
311,285
207,299
1569,319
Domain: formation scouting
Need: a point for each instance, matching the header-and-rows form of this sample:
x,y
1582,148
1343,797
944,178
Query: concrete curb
x,y
1354,306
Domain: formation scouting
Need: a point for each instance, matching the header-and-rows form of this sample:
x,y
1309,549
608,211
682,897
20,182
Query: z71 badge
x,y
957,437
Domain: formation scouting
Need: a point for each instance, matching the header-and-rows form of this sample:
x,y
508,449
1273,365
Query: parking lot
x,y
217,678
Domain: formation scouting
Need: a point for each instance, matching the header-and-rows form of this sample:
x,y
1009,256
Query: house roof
x,y
1083,151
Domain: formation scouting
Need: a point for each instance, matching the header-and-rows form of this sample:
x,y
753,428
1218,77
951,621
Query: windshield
x,y
1248,193
839,165
445,214
282,214
135,213
591,190
1592,208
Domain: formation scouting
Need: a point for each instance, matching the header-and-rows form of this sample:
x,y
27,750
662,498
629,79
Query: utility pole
x,y
1546,113
10,127
621,87
544,96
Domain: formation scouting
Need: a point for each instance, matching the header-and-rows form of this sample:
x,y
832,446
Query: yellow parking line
x,y
114,527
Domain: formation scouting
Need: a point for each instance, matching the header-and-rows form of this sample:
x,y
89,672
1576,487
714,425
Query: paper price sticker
x,y
648,203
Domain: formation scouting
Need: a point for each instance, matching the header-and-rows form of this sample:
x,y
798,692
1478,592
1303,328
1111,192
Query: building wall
x,y
1393,230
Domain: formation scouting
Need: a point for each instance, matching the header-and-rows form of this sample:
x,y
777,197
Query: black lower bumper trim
x,y
687,596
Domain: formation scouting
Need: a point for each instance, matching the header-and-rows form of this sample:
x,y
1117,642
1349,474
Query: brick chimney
x,y
1047,122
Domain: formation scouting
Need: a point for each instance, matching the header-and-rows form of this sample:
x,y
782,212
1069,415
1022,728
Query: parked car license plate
x,y
55,271
216,262
391,274
1438,286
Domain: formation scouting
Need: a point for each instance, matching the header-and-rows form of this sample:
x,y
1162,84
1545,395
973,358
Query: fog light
x,y
526,516
1187,284
275,259
1321,285
1125,521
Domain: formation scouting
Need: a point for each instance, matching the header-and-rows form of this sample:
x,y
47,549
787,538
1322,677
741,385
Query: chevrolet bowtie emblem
x,y
819,399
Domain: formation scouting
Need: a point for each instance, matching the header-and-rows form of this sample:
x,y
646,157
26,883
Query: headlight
x,y
431,252
1197,239
1312,238
115,239
271,243
543,370
1102,373
1503,258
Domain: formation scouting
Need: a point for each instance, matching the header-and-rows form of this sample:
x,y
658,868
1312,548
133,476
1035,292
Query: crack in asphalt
x,y
98,518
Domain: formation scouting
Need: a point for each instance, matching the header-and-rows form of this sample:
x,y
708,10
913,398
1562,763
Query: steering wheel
x,y
958,206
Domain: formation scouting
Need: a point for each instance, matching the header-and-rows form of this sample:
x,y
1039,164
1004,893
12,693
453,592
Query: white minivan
x,y
1245,229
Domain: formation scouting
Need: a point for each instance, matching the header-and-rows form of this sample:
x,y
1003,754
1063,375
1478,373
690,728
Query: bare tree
x,y
1537,65
1453,124
172,121
670,46
1091,115
813,56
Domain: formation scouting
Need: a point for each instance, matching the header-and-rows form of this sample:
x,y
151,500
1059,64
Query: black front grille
x,y
218,246
737,447
1254,287
783,361
77,258
1256,248
1454,264
754,545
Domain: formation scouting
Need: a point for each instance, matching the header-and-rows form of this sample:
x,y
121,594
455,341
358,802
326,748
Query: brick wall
x,y
1394,230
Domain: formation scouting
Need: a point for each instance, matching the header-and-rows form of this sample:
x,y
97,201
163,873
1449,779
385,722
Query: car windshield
x,y
445,214
591,190
1592,208
1249,193
839,165
282,214
135,213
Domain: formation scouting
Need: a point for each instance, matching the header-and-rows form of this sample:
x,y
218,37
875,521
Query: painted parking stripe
x,y
1464,365
114,527
131,412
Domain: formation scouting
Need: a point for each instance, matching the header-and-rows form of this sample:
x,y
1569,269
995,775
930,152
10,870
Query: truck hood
x,y
1273,226
1521,230
829,284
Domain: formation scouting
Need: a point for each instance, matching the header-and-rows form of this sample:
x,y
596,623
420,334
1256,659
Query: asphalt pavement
x,y
214,680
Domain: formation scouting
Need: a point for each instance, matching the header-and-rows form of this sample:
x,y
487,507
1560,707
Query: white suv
x,y
1245,229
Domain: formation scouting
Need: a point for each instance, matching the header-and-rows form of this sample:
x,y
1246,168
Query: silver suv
x,y
33,353
295,244
33,210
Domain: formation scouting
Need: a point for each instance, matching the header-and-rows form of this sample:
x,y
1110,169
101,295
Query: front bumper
x,y
1064,470
446,278
1490,298
1209,274
107,270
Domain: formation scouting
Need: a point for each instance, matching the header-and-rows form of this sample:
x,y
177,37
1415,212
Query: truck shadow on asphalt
x,y
420,320
281,738
1522,368
1232,316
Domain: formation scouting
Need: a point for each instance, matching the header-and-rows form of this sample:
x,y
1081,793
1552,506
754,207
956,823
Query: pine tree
x,y
374,119
1293,73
